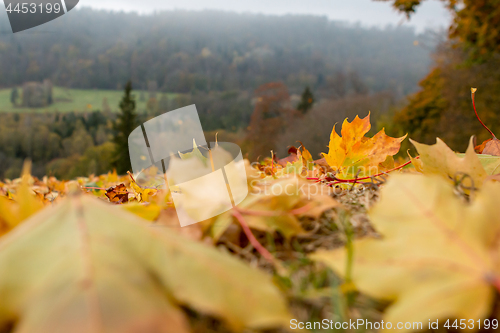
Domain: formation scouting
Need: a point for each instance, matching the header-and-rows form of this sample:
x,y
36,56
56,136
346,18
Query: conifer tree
x,y
306,102
124,125
14,95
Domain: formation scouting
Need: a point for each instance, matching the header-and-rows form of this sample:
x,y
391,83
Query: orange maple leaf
x,y
353,152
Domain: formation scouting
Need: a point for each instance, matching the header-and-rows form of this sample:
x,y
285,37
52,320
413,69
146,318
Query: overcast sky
x,y
368,12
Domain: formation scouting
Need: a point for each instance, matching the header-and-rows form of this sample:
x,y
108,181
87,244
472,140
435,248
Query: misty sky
x,y
368,12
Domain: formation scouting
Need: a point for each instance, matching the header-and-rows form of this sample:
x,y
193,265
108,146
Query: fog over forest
x,y
187,51
243,71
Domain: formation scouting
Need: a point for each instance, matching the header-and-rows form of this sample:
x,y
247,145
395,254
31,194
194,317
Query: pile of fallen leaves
x,y
354,236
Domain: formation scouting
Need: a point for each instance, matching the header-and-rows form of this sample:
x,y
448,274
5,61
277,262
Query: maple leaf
x,y
195,182
195,153
438,256
353,152
270,208
149,211
440,159
479,148
142,194
24,203
492,147
87,266
117,194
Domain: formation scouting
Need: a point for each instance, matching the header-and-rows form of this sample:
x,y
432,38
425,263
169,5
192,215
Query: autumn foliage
x,y
108,255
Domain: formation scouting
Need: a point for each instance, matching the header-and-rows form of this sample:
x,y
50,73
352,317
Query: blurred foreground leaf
x,y
276,205
87,266
438,257
441,160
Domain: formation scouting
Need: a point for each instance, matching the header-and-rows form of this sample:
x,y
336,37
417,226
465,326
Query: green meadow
x,y
79,100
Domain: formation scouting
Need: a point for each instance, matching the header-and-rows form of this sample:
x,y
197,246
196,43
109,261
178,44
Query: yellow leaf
x,y
269,207
437,257
112,176
148,212
306,155
441,160
143,194
353,152
417,163
86,266
24,204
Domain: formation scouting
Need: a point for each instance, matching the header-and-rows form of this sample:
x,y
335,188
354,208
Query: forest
x,y
195,55
186,52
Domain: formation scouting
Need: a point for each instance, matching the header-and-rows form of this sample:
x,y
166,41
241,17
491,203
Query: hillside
x,y
184,52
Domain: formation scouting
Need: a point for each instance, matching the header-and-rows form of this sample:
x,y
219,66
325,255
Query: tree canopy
x,y
475,24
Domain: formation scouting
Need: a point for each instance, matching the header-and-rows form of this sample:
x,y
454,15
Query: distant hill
x,y
185,52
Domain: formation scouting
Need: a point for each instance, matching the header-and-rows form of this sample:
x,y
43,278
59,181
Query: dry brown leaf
x,y
117,194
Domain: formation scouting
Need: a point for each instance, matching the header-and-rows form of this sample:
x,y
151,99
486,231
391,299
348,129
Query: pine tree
x,y
306,102
124,125
14,95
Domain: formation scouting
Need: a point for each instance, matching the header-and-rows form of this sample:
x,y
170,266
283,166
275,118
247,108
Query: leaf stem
x,y
336,180
103,189
355,180
473,93
255,243
95,188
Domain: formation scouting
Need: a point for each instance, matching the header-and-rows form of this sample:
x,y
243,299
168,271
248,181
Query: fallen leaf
x,y
86,266
117,194
149,211
491,164
142,194
479,148
22,205
306,154
195,153
416,162
269,207
202,193
353,152
168,219
492,147
438,256
272,206
291,158
440,159
319,199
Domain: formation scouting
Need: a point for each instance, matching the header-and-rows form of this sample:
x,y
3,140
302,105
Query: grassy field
x,y
66,100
